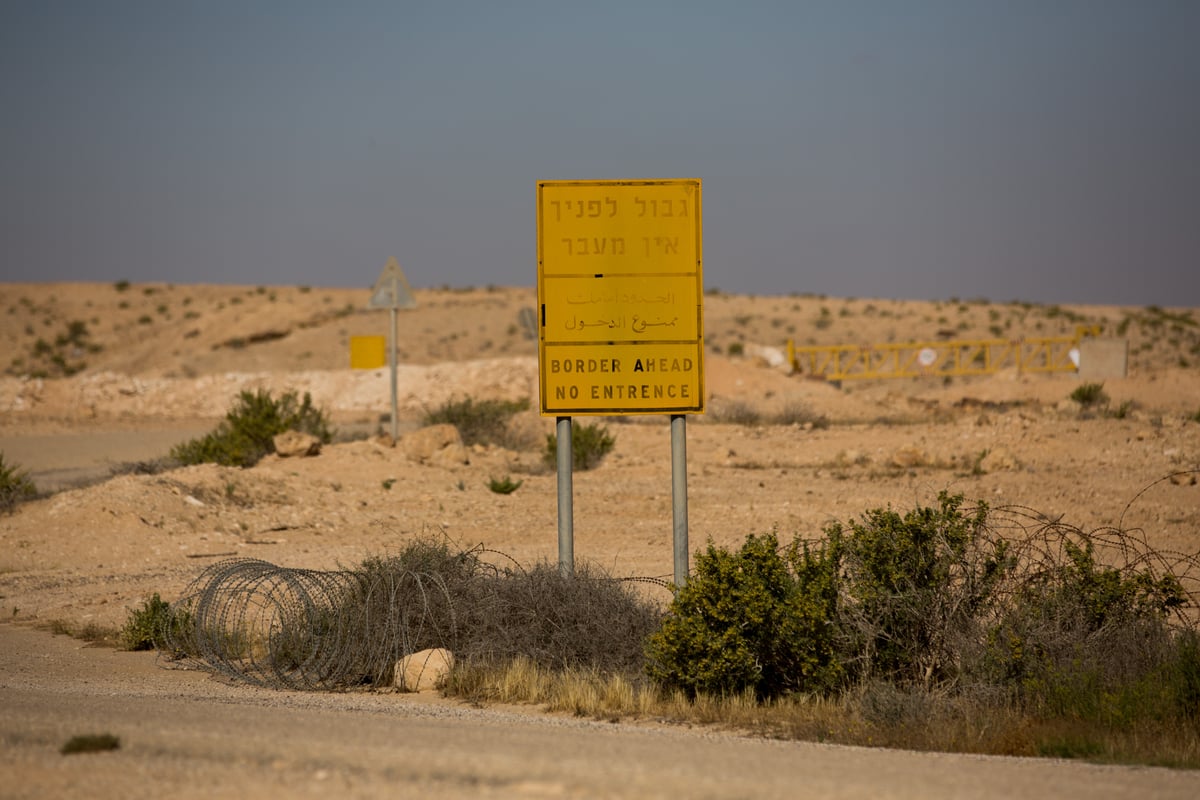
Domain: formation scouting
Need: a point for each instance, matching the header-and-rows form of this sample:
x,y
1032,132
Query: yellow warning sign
x,y
391,289
620,292
368,352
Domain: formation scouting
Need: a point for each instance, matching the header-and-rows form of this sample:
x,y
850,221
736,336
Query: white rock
x,y
773,357
422,445
910,456
454,455
999,459
295,443
423,671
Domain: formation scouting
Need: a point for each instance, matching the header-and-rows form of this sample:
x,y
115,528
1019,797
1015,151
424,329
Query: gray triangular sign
x,y
392,289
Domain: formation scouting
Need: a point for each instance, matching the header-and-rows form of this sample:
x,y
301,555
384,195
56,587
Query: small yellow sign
x,y
368,352
620,291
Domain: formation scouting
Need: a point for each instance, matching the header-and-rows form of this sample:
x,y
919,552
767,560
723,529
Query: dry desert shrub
x,y
16,487
590,443
90,743
246,433
740,412
795,412
735,412
479,421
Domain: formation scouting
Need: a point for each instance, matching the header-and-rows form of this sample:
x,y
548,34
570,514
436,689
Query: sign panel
x,y
620,292
368,352
392,289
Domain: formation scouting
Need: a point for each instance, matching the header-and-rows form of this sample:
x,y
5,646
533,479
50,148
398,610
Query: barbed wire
x,y
281,627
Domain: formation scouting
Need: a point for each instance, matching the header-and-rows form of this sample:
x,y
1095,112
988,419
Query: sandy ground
x,y
160,364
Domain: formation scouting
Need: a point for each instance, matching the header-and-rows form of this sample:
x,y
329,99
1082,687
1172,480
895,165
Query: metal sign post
x,y
566,510
393,343
620,318
679,517
391,291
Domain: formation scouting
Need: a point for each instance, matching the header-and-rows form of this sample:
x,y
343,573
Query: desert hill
x,y
181,351
166,330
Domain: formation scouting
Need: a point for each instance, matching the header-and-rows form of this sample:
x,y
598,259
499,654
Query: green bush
x,y
892,597
1088,641
246,433
505,486
90,743
155,626
15,487
1122,411
589,444
937,599
1105,594
1184,674
1089,394
753,620
915,586
63,357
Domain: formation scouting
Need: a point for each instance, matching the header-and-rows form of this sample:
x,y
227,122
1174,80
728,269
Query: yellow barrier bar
x,y
918,359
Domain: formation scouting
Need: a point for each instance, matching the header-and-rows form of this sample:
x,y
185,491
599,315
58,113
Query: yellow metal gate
x,y
919,359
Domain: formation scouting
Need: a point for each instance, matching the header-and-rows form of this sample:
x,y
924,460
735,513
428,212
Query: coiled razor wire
x,y
268,625
281,627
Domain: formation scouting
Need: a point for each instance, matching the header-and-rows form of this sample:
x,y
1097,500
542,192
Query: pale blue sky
x,y
1042,150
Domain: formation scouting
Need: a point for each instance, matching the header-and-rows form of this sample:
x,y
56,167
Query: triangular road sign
x,y
392,289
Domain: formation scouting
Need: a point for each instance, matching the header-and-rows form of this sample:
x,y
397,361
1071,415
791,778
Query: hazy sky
x,y
1046,150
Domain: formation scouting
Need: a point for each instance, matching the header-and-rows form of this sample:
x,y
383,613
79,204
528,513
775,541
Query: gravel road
x,y
184,734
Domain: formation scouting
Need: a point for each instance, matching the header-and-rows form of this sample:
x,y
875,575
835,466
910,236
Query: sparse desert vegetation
x,y
247,432
940,627
16,486
590,442
479,421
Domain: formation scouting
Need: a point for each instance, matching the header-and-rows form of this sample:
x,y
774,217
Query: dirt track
x,y
185,735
